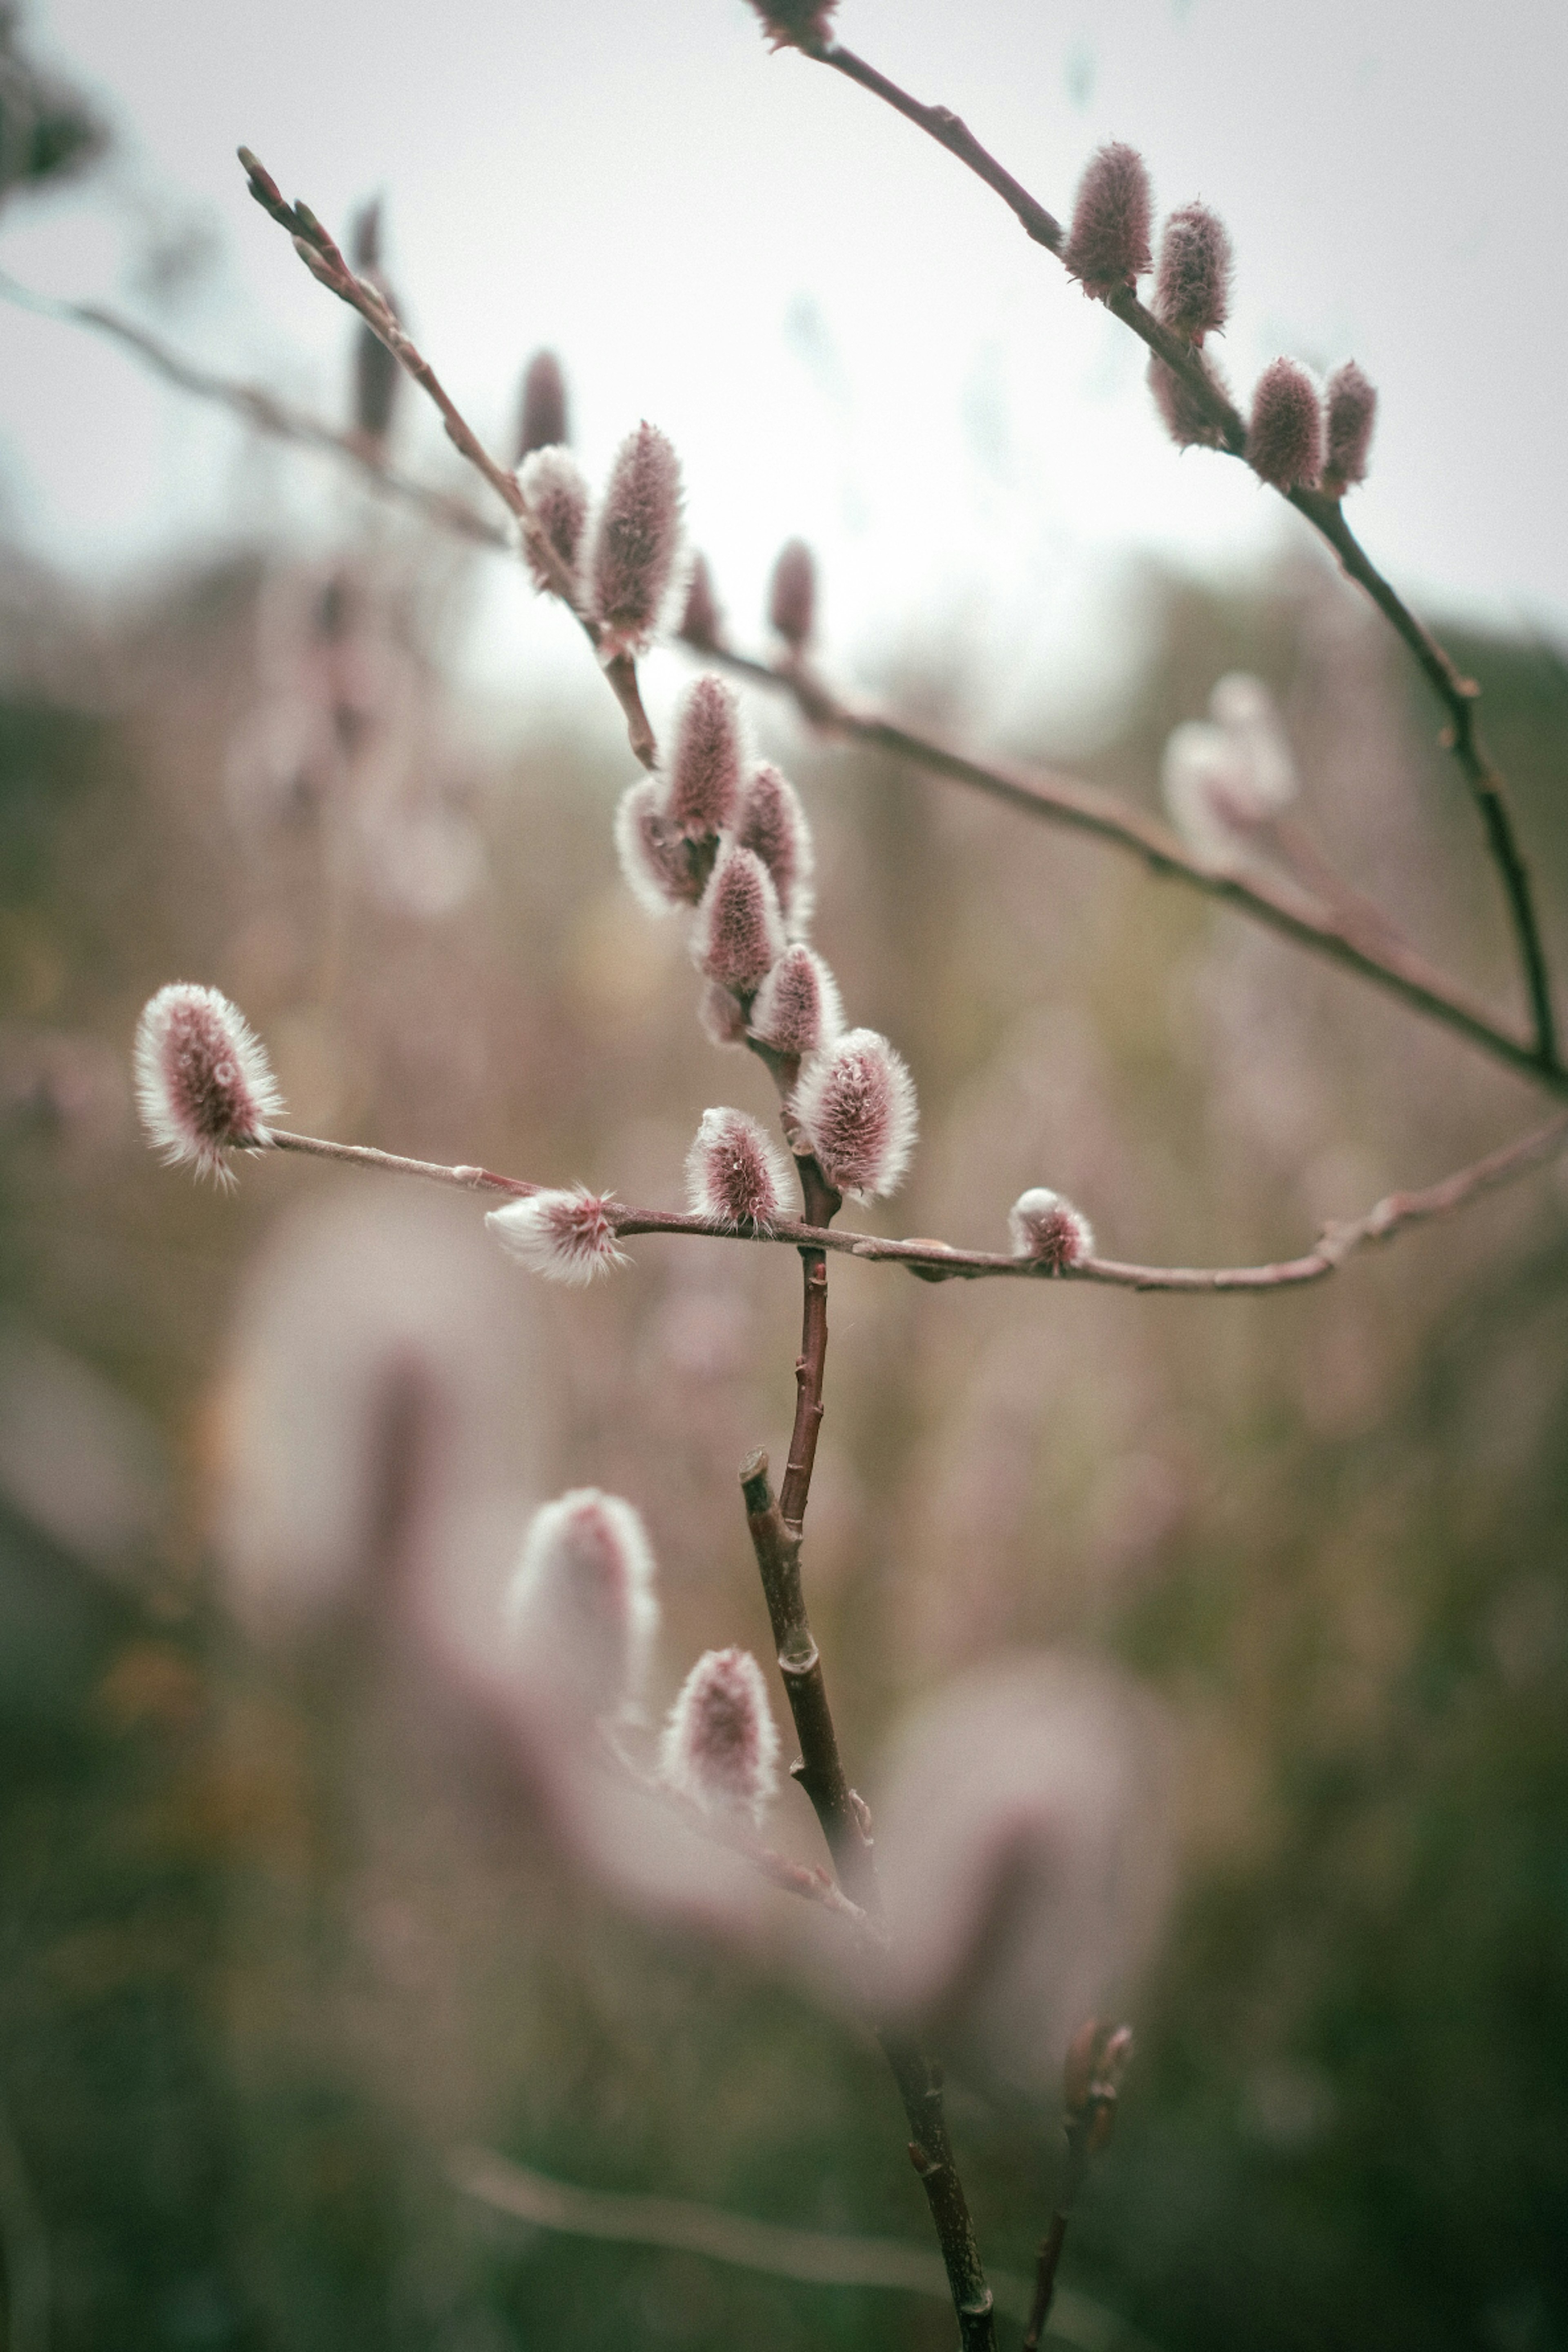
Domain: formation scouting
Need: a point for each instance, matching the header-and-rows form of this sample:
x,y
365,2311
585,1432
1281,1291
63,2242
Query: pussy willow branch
x,y
936,1261
1457,694
1378,958
324,260
1060,799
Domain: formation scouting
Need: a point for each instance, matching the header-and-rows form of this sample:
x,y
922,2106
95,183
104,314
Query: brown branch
x,y
433,1171
1095,2061
324,260
1333,933
1457,694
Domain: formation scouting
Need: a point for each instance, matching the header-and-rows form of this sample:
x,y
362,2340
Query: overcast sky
x,y
844,333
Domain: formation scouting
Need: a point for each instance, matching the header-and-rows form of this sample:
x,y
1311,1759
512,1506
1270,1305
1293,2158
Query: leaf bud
x,y
854,1104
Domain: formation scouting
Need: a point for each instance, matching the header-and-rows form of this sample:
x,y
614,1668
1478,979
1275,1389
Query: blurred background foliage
x,y
275,1947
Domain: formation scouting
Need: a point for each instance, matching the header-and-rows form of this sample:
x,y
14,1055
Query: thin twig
x,y
324,258
1457,694
937,1260
1066,800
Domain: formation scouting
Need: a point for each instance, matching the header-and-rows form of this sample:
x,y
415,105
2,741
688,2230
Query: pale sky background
x,y
844,333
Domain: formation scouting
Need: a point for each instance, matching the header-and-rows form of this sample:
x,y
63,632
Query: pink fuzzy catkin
x,y
704,784
701,623
636,533
772,822
797,1010
1048,1230
721,1016
1109,243
1188,424
735,1173
790,24
656,860
1351,413
792,593
854,1104
740,932
1285,434
564,1236
204,1085
554,484
1191,291
720,1744
541,414
582,1608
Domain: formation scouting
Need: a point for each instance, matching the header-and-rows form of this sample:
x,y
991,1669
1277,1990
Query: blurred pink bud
x,y
1285,435
656,860
720,1015
740,932
792,597
1352,413
1108,244
1023,1844
1191,292
554,484
203,1083
797,1009
1243,706
565,1236
701,623
636,533
582,1608
541,412
1203,776
721,1745
1048,1230
793,24
704,784
772,822
855,1105
1184,415
735,1173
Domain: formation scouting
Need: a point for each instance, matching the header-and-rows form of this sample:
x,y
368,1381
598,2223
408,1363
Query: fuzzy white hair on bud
x,y
735,1173
565,1236
772,822
556,490
854,1103
656,858
1049,1231
740,932
634,542
721,1016
721,1745
204,1085
581,1608
1223,780
798,1010
1249,715
704,786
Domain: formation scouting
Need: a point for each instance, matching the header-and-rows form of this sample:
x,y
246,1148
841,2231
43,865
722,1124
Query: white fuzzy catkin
x,y
656,862
1048,1229
564,1236
1225,777
582,1608
735,1173
855,1105
204,1085
720,1744
556,490
798,1010
771,822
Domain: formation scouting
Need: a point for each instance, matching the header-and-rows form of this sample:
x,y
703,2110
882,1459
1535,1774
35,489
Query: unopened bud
x,y
735,1173
1352,413
739,934
581,1607
565,1236
1097,2061
1049,1231
772,822
704,785
204,1085
1203,774
797,1010
542,409
1185,417
1191,292
721,1745
636,534
720,1015
661,869
792,597
701,623
1284,435
855,1106
795,24
1109,243
1249,715
554,484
